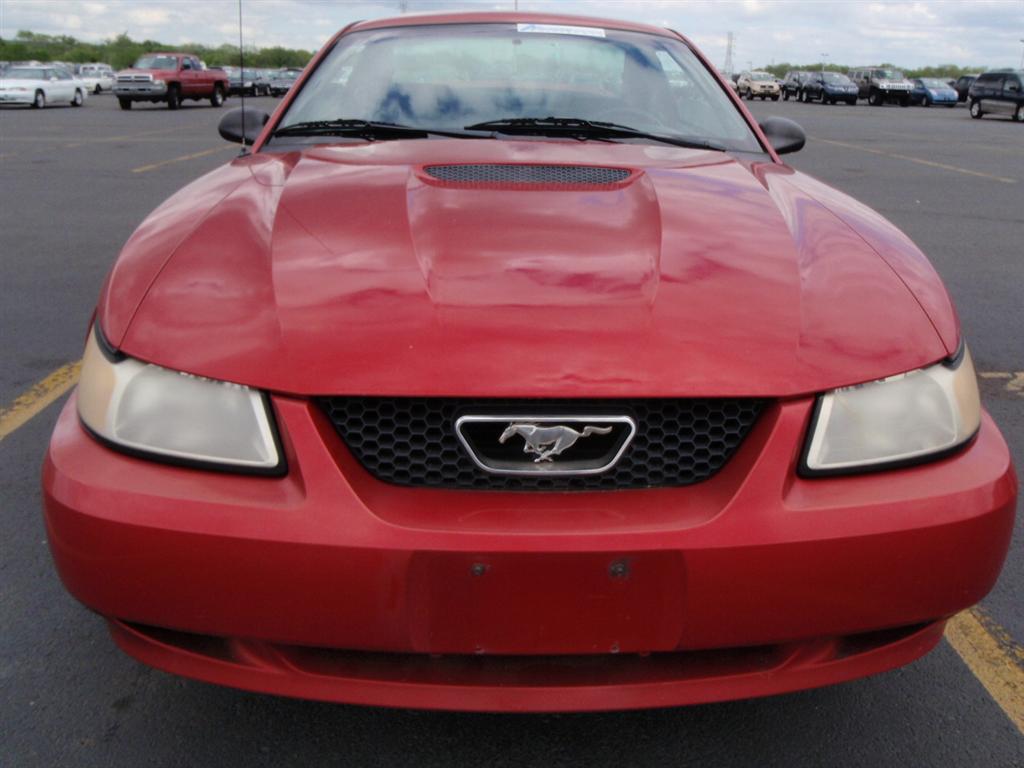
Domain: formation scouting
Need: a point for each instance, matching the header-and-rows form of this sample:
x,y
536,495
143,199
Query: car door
x,y
991,96
67,85
1012,93
187,76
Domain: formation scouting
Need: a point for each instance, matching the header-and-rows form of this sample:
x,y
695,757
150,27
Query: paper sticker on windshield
x,y
561,29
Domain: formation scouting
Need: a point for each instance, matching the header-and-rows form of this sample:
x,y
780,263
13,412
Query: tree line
x,y
122,51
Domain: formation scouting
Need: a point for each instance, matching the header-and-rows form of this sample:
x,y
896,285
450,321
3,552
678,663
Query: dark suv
x,y
793,83
963,85
998,93
830,87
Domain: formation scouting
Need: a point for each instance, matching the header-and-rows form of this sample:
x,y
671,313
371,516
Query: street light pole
x,y
1022,53
824,56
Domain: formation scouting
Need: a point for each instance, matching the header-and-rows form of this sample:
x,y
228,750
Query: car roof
x,y
491,17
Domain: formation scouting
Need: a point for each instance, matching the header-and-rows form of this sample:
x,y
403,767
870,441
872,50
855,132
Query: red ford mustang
x,y
513,370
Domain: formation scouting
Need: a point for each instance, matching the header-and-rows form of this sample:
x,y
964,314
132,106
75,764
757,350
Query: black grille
x,y
412,441
541,175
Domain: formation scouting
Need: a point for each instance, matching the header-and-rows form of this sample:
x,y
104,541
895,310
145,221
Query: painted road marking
x,y
126,137
1014,380
183,158
36,399
993,657
920,161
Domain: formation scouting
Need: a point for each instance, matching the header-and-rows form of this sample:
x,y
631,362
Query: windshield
x,y
887,74
834,78
24,73
156,62
456,75
760,76
933,82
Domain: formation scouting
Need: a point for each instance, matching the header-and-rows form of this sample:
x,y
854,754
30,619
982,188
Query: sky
x,y
854,32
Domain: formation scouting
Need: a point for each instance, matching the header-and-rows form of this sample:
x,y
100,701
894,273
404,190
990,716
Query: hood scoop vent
x,y
529,176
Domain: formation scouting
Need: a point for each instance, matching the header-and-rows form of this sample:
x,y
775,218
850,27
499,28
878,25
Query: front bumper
x,y
329,584
17,97
140,90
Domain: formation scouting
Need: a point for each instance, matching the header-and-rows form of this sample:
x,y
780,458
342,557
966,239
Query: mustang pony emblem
x,y
548,441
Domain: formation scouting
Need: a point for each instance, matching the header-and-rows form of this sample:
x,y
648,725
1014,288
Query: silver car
x,y
38,86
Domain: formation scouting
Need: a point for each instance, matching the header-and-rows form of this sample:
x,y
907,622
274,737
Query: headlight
x,y
175,416
899,420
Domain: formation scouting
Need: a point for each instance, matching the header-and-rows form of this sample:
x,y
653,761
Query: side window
x,y
196,65
186,64
1011,86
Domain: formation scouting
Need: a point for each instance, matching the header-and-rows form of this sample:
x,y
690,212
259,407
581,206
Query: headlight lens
x,y
897,420
177,416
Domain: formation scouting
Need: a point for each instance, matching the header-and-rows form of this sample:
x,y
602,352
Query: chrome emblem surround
x,y
545,438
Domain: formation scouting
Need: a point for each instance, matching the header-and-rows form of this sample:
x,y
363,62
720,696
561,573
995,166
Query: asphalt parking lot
x,y
75,184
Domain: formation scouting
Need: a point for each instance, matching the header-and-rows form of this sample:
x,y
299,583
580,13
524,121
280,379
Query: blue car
x,y
932,90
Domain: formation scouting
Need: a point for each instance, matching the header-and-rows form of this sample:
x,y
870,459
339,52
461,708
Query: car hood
x,y
350,269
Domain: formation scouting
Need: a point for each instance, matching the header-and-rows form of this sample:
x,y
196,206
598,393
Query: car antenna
x,y
241,77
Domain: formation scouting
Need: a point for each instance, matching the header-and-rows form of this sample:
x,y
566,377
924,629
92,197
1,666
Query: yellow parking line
x,y
993,657
918,160
36,399
126,137
193,156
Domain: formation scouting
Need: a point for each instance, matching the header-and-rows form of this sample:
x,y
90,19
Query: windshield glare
x,y
454,75
156,62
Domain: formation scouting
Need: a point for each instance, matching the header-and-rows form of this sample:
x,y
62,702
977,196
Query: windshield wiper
x,y
366,129
574,126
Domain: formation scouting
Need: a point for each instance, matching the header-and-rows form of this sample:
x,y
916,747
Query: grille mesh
x,y
412,441
539,175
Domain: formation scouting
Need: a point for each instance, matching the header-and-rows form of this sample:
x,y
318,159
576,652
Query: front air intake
x,y
557,176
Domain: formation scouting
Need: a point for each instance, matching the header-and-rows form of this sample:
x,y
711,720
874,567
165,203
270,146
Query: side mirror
x,y
242,126
784,135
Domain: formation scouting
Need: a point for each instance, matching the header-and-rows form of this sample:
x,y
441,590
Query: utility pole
x,y
728,55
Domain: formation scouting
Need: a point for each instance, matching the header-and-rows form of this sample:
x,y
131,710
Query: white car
x,y
97,77
41,85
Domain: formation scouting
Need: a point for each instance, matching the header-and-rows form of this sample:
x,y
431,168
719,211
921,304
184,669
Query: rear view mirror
x,y
784,135
242,126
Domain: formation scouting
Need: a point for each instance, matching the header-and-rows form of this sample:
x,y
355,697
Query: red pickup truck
x,y
170,77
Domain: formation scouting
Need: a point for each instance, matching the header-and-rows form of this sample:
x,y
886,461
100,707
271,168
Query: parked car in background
x,y
97,77
880,85
793,83
998,93
282,81
758,85
963,85
41,86
251,82
829,87
170,78
932,90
